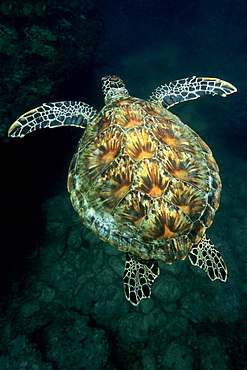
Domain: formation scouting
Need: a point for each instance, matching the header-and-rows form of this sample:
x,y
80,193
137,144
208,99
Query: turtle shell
x,y
144,181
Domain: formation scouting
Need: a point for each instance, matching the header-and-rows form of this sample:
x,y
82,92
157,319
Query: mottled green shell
x,y
144,181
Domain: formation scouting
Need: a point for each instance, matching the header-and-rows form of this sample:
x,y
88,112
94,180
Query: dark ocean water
x,y
62,300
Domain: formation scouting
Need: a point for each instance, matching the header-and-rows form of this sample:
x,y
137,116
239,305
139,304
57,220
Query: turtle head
x,y
113,88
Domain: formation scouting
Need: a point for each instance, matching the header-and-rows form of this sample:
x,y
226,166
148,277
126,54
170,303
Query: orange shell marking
x,y
144,181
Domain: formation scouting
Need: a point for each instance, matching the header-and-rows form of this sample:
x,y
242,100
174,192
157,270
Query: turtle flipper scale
x,y
50,115
188,89
207,257
139,276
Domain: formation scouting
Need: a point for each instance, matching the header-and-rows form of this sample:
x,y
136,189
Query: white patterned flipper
x,y
207,257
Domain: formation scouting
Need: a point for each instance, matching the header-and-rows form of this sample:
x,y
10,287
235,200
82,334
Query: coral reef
x,y
41,45
72,312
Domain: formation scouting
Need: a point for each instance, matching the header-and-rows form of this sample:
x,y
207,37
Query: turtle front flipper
x,y
207,257
50,115
188,89
139,276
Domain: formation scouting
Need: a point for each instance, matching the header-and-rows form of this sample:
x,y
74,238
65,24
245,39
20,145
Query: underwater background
x,y
62,301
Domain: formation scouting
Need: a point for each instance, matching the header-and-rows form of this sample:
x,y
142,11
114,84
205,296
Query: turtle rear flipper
x,y
207,257
188,89
139,276
50,115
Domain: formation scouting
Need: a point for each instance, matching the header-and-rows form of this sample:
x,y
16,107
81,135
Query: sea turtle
x,y
141,179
